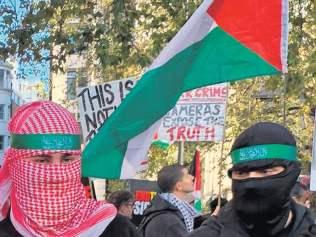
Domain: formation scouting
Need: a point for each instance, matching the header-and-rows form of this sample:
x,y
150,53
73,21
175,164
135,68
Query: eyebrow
x,y
249,169
49,156
44,156
68,154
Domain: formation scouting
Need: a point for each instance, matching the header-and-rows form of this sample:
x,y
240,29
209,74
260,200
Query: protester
x,y
301,194
169,215
40,189
265,169
123,201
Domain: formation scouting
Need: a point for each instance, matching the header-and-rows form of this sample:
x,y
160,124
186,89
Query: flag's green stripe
x,y
217,58
161,144
198,205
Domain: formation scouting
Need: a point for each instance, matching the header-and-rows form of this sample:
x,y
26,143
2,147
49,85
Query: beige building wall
x,y
59,87
64,83
210,175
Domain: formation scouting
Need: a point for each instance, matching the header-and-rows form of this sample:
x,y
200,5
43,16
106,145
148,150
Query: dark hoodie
x,y
162,219
229,225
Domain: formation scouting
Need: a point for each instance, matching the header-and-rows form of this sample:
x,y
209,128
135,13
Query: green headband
x,y
46,141
263,152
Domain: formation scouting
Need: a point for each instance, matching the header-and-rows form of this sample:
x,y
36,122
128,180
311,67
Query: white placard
x,y
199,115
97,103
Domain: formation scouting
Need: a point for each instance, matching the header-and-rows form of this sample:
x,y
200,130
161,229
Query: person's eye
x,y
267,172
239,174
41,160
68,159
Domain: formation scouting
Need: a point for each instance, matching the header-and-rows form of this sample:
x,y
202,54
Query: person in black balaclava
x,y
265,169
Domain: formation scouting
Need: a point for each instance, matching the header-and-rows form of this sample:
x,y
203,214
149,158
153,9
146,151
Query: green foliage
x,y
119,37
159,158
115,185
40,90
34,26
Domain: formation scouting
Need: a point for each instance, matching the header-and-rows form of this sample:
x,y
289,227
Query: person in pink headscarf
x,y
40,189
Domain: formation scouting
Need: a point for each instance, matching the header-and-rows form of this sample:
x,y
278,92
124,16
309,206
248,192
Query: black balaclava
x,y
263,204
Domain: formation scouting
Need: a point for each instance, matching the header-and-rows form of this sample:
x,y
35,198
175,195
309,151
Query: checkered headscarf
x,y
187,211
47,200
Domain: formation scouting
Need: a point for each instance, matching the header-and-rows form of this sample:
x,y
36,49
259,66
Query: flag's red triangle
x,y
257,24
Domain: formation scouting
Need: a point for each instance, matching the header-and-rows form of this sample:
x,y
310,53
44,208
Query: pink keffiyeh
x,y
47,200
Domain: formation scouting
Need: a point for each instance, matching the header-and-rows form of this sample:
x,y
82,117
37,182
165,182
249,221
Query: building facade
x,y
13,93
6,105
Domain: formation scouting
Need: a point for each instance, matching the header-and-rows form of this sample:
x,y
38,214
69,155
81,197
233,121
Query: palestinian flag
x,y
163,144
223,41
195,170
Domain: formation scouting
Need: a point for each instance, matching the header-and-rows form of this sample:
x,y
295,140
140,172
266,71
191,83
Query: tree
x,y
32,27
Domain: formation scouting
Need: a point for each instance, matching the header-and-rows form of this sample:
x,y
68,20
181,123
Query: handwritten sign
x,y
97,103
199,115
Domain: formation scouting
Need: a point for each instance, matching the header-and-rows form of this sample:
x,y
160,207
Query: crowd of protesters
x,y
41,193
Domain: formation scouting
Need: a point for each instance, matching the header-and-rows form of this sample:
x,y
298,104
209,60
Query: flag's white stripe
x,y
136,151
197,194
195,29
284,34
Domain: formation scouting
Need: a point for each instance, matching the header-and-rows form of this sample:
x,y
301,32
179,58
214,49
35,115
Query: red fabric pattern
x,y
43,117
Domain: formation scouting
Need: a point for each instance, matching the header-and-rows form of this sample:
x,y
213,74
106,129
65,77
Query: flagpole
x,y
313,164
220,170
181,153
284,78
212,164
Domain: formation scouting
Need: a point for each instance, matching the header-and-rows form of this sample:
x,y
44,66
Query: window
x,y
71,85
2,113
82,79
1,142
1,78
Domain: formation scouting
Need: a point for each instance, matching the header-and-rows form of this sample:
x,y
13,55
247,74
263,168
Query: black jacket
x,y
162,219
121,226
227,224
